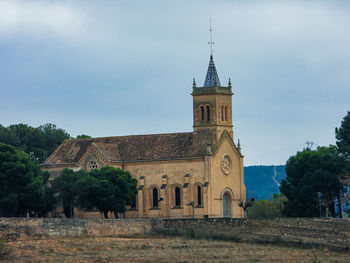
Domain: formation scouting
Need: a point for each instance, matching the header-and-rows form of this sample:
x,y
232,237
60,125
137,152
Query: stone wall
x,y
36,227
305,232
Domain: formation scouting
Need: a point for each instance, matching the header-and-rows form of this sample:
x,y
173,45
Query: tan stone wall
x,y
153,172
56,171
215,101
232,183
190,171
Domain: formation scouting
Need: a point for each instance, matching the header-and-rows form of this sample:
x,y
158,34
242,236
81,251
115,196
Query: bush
x,y
267,208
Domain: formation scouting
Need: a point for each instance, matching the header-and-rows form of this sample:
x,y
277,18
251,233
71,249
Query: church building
x,y
178,174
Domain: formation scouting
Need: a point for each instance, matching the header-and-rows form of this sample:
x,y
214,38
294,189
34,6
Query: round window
x,y
93,165
226,164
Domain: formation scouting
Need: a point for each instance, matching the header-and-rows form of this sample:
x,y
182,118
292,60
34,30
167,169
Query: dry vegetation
x,y
153,249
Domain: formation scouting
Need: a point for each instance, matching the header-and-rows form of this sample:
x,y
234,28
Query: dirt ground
x,y
155,249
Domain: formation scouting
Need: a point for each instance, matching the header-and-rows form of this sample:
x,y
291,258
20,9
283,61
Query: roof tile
x,y
130,148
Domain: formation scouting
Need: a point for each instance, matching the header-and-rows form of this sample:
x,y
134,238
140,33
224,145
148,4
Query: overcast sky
x,y
109,68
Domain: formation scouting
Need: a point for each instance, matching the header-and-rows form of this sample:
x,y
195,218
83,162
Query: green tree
x,y
53,137
23,185
41,141
67,185
83,136
310,172
342,135
7,137
268,208
107,189
27,138
113,190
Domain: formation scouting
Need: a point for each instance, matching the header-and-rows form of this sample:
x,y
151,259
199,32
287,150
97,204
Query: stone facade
x,y
203,167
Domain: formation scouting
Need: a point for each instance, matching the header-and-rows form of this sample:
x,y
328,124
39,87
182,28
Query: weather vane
x,y
211,39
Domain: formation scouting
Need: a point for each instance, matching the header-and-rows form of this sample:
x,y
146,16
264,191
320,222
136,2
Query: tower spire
x,y
211,43
212,78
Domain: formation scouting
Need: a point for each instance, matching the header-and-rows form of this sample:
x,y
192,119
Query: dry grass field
x,y
156,249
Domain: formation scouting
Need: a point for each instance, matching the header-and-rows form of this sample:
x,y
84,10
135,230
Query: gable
x,y
93,158
225,138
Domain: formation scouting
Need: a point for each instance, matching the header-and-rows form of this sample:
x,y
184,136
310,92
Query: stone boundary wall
x,y
306,232
37,227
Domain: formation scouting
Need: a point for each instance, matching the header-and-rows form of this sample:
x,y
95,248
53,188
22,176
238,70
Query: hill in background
x,y
262,182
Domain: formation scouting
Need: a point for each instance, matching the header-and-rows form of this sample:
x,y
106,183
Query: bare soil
x,y
156,249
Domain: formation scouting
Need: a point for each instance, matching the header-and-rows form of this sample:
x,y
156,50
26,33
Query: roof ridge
x,y
92,139
139,135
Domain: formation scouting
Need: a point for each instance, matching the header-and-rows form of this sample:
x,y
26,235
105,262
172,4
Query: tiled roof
x,y
129,148
212,78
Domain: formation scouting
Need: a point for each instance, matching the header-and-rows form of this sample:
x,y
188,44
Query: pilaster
x,y
140,197
164,189
186,193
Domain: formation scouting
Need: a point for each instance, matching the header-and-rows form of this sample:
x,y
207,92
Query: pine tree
x,y
342,134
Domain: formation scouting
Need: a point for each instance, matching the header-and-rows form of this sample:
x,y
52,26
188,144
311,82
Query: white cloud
x,y
294,53
39,18
316,31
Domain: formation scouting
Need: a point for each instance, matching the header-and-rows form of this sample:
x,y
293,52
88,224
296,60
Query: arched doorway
x,y
226,205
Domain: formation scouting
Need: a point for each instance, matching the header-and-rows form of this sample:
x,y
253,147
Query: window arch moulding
x,y
198,195
154,197
177,196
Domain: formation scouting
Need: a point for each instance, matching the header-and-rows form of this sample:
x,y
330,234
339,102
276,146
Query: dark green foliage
x,y
41,141
83,136
116,189
23,185
309,172
259,180
268,208
67,185
343,136
107,189
53,137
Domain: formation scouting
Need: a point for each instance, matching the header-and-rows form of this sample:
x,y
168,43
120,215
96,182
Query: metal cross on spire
x,y
211,43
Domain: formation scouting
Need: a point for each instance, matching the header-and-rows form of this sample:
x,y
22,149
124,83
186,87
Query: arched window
x,y
225,113
208,113
155,197
222,113
177,196
199,196
226,205
202,113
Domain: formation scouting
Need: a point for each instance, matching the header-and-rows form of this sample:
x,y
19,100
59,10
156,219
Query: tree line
x,y
26,189
39,142
317,182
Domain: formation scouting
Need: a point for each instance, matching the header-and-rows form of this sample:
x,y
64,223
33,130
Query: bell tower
x,y
212,108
